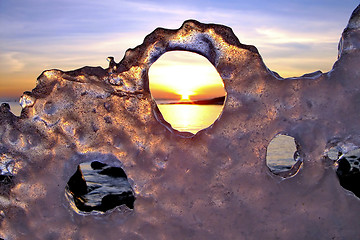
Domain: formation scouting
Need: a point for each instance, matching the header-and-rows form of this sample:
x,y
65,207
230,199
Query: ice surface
x,y
212,185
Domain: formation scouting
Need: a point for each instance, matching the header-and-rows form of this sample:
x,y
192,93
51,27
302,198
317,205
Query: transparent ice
x,y
212,185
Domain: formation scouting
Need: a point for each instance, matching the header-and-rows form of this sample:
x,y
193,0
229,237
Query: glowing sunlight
x,y
181,75
188,90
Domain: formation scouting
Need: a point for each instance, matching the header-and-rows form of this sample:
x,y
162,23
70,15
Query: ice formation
x,y
212,185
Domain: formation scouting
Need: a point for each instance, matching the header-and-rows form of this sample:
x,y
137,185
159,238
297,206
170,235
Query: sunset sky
x,y
293,37
172,77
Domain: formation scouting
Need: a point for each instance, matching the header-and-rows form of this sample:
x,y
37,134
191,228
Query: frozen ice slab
x,y
212,185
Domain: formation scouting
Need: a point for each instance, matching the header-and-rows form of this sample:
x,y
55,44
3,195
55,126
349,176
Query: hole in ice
x,y
97,186
6,179
6,169
282,156
188,90
347,164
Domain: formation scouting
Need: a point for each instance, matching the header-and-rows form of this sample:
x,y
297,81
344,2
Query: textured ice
x,y
212,185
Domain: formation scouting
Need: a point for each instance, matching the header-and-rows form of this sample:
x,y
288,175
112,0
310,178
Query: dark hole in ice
x,y
282,156
6,179
97,186
188,90
347,168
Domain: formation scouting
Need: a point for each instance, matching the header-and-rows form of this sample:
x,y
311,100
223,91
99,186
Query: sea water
x,y
190,117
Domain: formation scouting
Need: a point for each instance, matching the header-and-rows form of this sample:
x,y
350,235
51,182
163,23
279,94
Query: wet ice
x,y
212,185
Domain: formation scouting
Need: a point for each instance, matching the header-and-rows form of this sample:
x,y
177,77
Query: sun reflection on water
x,y
190,117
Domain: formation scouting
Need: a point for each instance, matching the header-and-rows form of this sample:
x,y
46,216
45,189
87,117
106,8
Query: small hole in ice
x,y
347,166
6,169
188,90
282,156
97,186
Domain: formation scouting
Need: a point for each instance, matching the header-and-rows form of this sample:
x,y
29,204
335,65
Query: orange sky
x,y
181,74
293,37
13,85
173,75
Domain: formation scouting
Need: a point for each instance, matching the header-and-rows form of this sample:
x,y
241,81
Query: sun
x,y
184,97
184,76
185,94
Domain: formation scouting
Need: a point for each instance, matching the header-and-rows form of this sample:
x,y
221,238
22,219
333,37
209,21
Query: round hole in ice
x,y
96,186
188,90
283,156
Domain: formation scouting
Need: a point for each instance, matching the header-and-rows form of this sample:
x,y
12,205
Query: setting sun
x,y
188,90
184,75
185,95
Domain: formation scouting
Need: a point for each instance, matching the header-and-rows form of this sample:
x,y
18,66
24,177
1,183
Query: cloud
x,y
11,62
68,34
279,36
